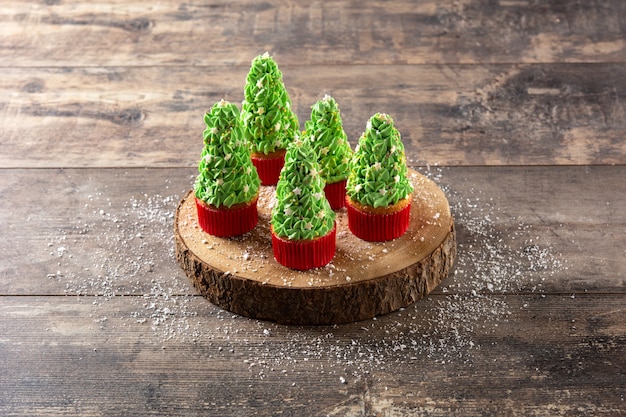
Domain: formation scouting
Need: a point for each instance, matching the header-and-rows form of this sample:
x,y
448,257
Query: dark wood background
x,y
514,107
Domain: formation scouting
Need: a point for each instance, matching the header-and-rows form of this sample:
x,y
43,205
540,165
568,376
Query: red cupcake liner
x,y
226,222
269,168
336,194
378,227
305,254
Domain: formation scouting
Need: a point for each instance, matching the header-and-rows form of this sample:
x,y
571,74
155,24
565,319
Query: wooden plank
x,y
110,231
514,355
365,280
522,101
303,33
448,115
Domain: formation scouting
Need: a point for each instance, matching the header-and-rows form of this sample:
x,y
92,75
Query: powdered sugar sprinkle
x,y
135,259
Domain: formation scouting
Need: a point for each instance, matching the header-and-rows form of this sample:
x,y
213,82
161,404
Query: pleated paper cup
x,y
304,254
227,222
269,166
336,194
378,227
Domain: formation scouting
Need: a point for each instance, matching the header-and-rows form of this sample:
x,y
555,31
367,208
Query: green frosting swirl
x,y
227,176
378,172
269,123
325,132
302,211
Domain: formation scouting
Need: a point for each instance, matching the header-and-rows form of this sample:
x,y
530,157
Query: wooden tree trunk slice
x,y
365,279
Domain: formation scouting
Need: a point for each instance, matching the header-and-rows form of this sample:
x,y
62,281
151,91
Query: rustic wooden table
x,y
515,108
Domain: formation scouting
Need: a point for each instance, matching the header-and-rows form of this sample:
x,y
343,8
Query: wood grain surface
x,y
447,115
561,210
559,355
303,33
362,281
515,108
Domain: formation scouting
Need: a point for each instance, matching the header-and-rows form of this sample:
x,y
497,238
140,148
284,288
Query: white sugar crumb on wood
x,y
135,256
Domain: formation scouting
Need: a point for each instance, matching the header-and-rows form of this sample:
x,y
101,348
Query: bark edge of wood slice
x,y
364,280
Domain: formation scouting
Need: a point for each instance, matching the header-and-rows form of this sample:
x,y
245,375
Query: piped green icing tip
x,y
378,172
226,174
325,132
302,211
268,120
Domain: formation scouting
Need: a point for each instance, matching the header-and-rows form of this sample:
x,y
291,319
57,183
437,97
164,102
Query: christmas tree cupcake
x,y
269,123
378,191
303,224
325,132
227,185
